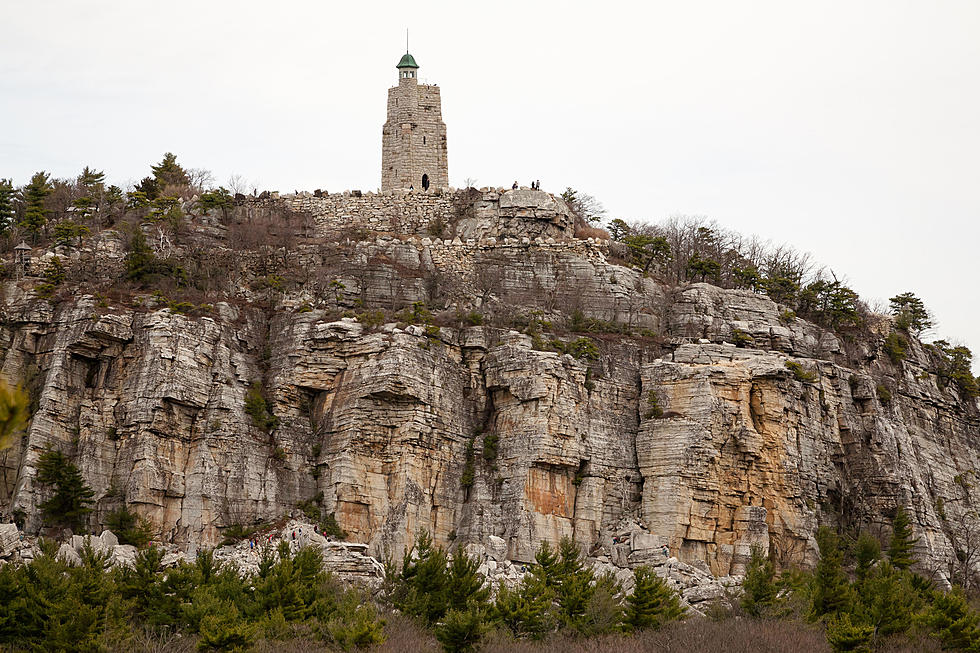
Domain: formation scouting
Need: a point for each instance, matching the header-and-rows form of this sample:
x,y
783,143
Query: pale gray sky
x,y
848,129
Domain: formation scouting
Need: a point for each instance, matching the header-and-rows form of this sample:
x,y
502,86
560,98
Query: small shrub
x,y
259,408
129,527
490,441
654,410
469,469
884,394
583,348
741,338
371,319
896,347
279,455
787,316
331,527
799,373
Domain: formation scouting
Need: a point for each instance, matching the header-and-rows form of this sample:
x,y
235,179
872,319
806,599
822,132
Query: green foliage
x,y
525,610
34,195
830,303
469,468
654,409
53,275
884,394
831,590
490,442
703,267
896,347
225,630
618,229
652,602
15,413
902,543
6,206
867,551
462,630
799,373
952,621
787,316
259,408
584,349
564,573
69,504
955,367
417,313
215,199
647,251
143,266
844,635
169,173
886,600
430,582
69,233
759,588
326,524
911,314
741,338
129,527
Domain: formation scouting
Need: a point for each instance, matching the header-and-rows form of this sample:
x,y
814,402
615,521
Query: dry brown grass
x,y
583,232
404,636
700,635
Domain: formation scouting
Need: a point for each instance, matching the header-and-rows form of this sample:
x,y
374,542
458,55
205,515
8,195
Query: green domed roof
x,y
407,61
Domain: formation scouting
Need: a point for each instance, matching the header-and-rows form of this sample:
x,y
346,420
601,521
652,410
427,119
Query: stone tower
x,y
413,144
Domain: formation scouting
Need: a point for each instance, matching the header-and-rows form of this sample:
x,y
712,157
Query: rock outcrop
x,y
475,432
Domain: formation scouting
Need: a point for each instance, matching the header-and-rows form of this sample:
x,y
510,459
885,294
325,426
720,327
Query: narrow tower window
x,y
423,140
425,182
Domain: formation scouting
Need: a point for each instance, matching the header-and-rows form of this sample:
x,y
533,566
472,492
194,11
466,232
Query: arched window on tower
x,y
425,182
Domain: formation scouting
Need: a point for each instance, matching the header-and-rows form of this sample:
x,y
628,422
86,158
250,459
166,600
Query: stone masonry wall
x,y
489,213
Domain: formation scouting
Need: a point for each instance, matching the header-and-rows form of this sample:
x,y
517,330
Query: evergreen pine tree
x,y
34,194
886,600
423,581
652,603
464,584
169,173
953,622
831,590
6,206
759,586
604,609
867,551
902,542
843,635
525,609
462,630
69,504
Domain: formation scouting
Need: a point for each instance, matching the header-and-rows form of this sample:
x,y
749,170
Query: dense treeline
x,y
864,604
49,605
862,599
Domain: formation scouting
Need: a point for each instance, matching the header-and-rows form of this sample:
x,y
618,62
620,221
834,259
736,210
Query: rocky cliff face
x,y
473,432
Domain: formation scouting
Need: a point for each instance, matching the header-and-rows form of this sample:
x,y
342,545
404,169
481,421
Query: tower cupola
x,y
407,68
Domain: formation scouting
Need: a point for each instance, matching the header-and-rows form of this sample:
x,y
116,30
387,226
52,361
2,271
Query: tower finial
x,y
406,40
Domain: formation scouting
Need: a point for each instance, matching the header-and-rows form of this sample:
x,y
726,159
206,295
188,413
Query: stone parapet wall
x,y
467,214
388,212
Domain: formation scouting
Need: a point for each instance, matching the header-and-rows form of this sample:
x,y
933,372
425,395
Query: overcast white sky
x,y
848,129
